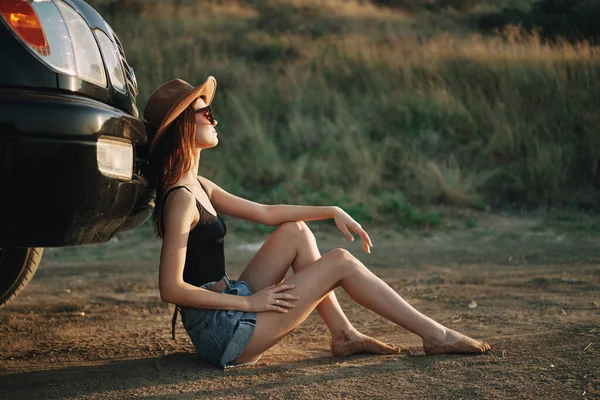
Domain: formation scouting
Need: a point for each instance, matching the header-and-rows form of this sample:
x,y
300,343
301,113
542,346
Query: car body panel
x,y
51,190
20,68
55,115
23,69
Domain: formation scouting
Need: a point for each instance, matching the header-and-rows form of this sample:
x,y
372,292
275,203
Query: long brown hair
x,y
172,156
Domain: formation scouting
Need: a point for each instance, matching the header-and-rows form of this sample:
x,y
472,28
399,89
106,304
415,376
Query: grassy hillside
x,y
378,109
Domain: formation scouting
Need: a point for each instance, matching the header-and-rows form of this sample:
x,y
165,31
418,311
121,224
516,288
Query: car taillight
x,y
23,20
70,46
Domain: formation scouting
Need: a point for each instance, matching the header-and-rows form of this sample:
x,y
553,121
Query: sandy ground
x,y
97,329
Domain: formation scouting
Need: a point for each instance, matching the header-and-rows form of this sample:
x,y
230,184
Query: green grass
x,y
510,236
578,224
379,111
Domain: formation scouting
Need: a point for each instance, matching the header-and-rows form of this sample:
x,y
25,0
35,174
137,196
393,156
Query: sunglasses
x,y
207,112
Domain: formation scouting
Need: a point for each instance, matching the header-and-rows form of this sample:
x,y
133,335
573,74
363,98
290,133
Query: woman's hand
x,y
346,224
272,298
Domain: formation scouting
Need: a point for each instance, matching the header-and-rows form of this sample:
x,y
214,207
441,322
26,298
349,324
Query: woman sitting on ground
x,y
233,322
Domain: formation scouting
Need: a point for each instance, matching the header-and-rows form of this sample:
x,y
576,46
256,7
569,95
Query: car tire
x,y
17,267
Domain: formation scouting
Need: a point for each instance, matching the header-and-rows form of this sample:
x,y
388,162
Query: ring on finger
x,y
276,301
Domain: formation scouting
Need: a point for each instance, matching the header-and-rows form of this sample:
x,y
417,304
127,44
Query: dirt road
x,y
97,329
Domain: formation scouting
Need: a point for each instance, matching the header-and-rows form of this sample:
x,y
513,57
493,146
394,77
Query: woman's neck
x,y
190,175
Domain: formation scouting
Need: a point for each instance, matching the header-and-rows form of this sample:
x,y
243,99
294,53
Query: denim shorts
x,y
220,336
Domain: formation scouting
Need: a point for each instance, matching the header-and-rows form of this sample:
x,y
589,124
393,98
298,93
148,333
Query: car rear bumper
x,y
51,191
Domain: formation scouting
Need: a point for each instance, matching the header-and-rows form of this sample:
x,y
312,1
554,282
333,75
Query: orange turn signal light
x,y
24,21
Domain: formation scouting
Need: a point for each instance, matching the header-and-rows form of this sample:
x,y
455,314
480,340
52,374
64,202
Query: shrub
x,y
432,5
284,17
458,5
114,7
574,20
405,4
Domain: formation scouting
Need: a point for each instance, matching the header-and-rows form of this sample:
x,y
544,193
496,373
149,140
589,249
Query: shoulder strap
x,y
202,186
174,320
164,200
173,189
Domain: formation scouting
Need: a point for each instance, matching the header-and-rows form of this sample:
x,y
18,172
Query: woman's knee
x,y
342,258
297,230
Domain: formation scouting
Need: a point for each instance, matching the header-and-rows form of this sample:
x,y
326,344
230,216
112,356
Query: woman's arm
x,y
273,215
180,213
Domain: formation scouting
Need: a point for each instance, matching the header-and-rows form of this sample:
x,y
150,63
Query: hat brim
x,y
206,90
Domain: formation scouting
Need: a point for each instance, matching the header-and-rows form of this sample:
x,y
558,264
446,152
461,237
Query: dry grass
x,y
345,102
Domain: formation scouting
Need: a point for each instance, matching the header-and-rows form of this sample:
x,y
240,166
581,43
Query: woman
x,y
232,322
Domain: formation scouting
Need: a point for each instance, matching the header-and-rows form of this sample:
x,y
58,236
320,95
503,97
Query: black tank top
x,y
205,255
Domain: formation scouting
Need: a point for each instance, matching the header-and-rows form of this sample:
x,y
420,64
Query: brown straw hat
x,y
169,100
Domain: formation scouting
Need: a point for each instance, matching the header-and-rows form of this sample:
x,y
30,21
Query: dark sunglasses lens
x,y
207,112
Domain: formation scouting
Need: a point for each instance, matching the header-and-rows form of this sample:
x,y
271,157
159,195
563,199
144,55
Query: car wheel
x,y
17,267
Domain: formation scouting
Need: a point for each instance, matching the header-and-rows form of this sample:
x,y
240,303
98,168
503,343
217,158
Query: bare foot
x,y
454,342
348,343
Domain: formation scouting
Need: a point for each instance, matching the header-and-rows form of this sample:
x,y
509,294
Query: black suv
x,y
72,148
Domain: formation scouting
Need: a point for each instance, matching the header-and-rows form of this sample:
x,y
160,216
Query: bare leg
x,y
294,244
340,268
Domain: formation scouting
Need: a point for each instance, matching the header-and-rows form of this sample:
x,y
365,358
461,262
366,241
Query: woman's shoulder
x,y
174,188
180,208
179,198
207,185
